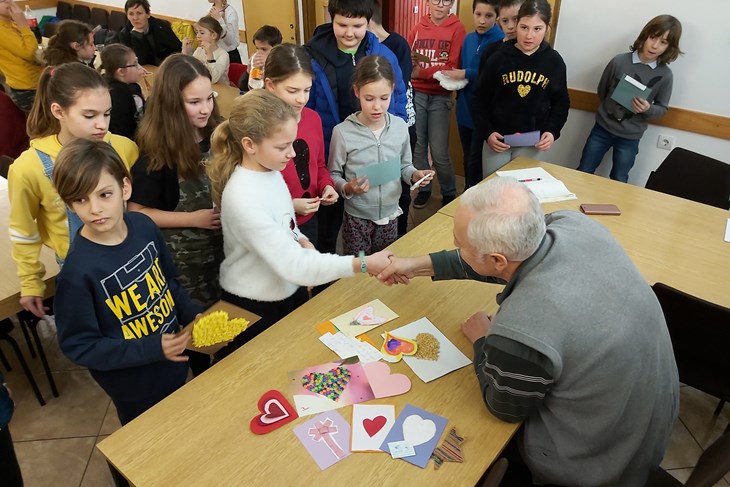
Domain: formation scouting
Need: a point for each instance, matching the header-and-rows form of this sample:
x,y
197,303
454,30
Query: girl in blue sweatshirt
x,y
486,32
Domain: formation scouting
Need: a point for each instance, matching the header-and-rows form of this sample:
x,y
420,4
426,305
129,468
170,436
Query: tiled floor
x,y
55,443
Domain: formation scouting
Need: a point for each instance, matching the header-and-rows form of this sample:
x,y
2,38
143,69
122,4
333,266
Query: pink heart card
x,y
275,411
370,425
383,383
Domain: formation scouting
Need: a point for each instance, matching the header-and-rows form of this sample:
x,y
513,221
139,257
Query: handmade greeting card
x,y
329,386
370,425
365,318
419,429
435,355
347,346
383,383
275,411
326,438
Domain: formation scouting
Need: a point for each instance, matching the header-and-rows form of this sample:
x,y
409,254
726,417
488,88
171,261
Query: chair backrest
x,y
235,71
5,162
693,176
63,10
99,16
81,12
117,20
700,333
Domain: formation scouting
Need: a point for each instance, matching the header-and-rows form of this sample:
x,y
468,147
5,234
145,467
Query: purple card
x,y
420,429
525,139
326,438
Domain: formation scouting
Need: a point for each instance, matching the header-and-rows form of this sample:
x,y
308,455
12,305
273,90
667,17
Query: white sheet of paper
x,y
450,358
546,187
370,425
536,173
346,346
727,231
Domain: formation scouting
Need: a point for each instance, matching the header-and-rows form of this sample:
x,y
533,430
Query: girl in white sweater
x,y
208,32
268,261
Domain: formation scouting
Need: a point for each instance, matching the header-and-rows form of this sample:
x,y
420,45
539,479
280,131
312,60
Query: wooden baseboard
x,y
676,118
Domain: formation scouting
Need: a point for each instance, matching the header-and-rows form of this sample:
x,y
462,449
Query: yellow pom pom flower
x,y
215,328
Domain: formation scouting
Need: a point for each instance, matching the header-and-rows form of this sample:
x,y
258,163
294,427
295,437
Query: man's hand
x,y
477,326
34,304
378,261
174,344
329,196
402,269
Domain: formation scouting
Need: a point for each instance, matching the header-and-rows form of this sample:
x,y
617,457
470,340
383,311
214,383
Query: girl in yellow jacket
x,y
18,46
72,102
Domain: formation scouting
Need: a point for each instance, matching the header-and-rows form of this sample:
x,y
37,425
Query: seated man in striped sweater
x,y
578,350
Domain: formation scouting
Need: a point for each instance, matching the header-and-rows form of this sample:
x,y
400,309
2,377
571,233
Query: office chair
x,y
700,333
694,177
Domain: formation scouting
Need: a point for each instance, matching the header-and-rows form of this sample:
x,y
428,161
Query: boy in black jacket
x,y
151,39
118,306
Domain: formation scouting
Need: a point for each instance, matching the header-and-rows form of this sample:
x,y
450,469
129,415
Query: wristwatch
x,y
363,262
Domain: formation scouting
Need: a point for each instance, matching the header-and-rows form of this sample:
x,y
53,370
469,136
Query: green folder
x,y
626,90
381,173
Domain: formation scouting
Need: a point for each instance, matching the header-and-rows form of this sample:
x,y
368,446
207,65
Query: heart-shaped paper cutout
x,y
523,90
372,426
396,347
329,384
428,347
383,383
417,430
367,317
275,412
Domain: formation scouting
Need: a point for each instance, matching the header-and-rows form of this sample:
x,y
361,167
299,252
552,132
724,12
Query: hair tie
x,y
53,70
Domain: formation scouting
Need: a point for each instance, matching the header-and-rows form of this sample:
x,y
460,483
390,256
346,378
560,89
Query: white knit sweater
x,y
264,260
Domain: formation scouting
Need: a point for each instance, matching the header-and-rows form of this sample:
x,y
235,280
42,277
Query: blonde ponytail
x,y
227,154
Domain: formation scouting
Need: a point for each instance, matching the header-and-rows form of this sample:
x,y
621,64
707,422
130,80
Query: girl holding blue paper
x,y
521,89
621,127
366,138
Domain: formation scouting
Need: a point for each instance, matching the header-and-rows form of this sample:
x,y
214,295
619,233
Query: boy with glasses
x,y
436,44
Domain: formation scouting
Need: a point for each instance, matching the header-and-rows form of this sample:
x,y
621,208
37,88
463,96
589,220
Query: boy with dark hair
x,y
264,39
151,39
335,49
437,40
118,306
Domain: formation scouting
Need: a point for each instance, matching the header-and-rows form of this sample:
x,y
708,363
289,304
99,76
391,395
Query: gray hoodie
x,y
353,147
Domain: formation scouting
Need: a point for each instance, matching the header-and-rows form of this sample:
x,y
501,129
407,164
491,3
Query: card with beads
x,y
435,355
329,386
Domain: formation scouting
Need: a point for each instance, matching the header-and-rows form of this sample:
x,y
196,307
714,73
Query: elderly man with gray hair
x,y
578,350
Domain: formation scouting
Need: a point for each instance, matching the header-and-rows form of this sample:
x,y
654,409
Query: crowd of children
x,y
249,209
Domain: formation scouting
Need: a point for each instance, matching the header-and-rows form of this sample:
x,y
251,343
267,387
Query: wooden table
x,y
200,434
10,284
226,93
671,240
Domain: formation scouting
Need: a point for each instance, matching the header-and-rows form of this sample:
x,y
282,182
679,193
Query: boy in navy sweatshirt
x,y
118,306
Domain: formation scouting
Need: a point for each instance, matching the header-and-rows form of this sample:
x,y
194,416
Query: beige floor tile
x,y
696,411
59,463
683,474
79,411
683,450
111,421
97,472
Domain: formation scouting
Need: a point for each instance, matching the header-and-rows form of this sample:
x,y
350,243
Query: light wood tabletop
x,y
200,434
671,240
9,284
226,93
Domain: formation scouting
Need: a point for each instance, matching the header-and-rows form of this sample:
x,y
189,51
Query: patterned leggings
x,y
361,234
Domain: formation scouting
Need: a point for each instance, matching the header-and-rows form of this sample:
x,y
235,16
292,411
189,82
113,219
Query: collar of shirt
x,y
637,60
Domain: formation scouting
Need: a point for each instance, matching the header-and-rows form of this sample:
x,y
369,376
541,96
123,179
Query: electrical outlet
x,y
665,142
415,9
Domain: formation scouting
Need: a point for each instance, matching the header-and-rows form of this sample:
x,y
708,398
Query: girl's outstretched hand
x,y
329,196
357,186
305,206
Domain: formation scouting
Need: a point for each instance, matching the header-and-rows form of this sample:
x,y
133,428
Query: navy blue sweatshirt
x,y
112,305
520,93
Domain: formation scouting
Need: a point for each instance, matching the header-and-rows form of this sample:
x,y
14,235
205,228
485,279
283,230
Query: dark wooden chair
x,y
81,12
63,10
694,177
99,16
117,20
6,326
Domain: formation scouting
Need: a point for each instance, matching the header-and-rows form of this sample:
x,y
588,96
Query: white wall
x,y
590,33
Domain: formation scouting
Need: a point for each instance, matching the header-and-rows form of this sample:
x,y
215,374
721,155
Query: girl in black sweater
x,y
120,68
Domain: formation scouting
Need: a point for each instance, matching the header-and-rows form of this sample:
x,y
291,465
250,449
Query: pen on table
x,y
529,180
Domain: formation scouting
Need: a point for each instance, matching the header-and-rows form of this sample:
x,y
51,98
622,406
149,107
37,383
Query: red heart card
x,y
372,426
275,412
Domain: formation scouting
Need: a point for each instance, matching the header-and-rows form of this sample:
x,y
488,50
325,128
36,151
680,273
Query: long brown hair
x,y
60,85
166,136
257,115
113,58
286,60
59,50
